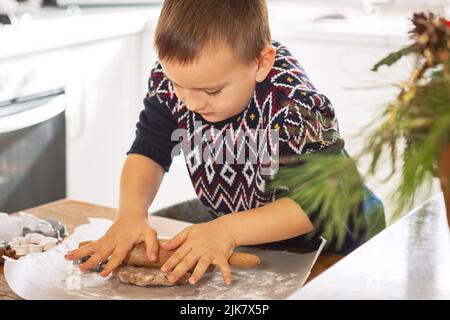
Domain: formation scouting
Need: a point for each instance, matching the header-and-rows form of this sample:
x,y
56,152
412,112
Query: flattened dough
x,y
143,277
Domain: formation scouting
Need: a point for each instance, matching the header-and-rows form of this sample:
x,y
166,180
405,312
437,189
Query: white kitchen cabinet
x,y
103,94
105,91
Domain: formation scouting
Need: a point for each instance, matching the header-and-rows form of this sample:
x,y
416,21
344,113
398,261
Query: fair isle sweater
x,y
286,101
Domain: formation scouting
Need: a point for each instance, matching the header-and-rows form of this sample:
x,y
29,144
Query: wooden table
x,y
408,260
74,213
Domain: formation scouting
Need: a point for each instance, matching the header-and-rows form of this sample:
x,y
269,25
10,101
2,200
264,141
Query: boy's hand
x,y
117,242
199,246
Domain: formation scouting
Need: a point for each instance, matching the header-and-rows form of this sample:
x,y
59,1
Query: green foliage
x,y
324,183
394,57
419,119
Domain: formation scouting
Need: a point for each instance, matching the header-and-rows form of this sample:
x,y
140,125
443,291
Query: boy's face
x,y
218,85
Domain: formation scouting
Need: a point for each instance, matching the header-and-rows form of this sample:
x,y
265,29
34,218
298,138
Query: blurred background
x,y
73,74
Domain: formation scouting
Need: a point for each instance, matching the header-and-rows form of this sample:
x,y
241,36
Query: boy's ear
x,y
265,62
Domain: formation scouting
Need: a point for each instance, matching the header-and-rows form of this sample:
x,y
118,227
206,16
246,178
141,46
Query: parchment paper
x,y
49,276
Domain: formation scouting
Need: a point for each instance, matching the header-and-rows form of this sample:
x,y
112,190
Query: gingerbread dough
x,y
138,270
143,276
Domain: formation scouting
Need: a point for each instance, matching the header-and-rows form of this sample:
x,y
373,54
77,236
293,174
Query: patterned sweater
x,y
229,179
286,102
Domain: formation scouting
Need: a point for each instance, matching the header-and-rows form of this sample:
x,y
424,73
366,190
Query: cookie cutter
x,y
32,242
48,227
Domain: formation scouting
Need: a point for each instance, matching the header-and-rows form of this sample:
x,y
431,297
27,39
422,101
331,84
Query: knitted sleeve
x,y
156,123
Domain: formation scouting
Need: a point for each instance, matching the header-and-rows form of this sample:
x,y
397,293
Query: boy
x,y
221,80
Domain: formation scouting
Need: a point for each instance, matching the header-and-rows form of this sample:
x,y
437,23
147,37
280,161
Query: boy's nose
x,y
195,108
194,105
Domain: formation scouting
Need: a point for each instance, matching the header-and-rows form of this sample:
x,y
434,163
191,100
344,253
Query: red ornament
x,y
447,22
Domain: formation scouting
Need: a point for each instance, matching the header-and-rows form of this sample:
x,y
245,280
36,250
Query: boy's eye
x,y
213,93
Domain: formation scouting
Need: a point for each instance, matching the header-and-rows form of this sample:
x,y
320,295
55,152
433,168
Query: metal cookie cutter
x,y
32,242
49,227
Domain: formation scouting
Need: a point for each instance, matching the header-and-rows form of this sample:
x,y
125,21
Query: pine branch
x,y
328,185
394,57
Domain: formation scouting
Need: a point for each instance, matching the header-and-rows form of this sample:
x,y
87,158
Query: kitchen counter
x,y
74,213
346,25
408,260
53,28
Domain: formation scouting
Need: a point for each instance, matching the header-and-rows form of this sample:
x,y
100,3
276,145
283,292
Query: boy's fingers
x,y
225,268
116,259
176,241
184,266
151,246
93,261
200,270
175,259
82,252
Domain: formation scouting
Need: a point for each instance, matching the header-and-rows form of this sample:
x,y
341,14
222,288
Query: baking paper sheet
x,y
49,276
